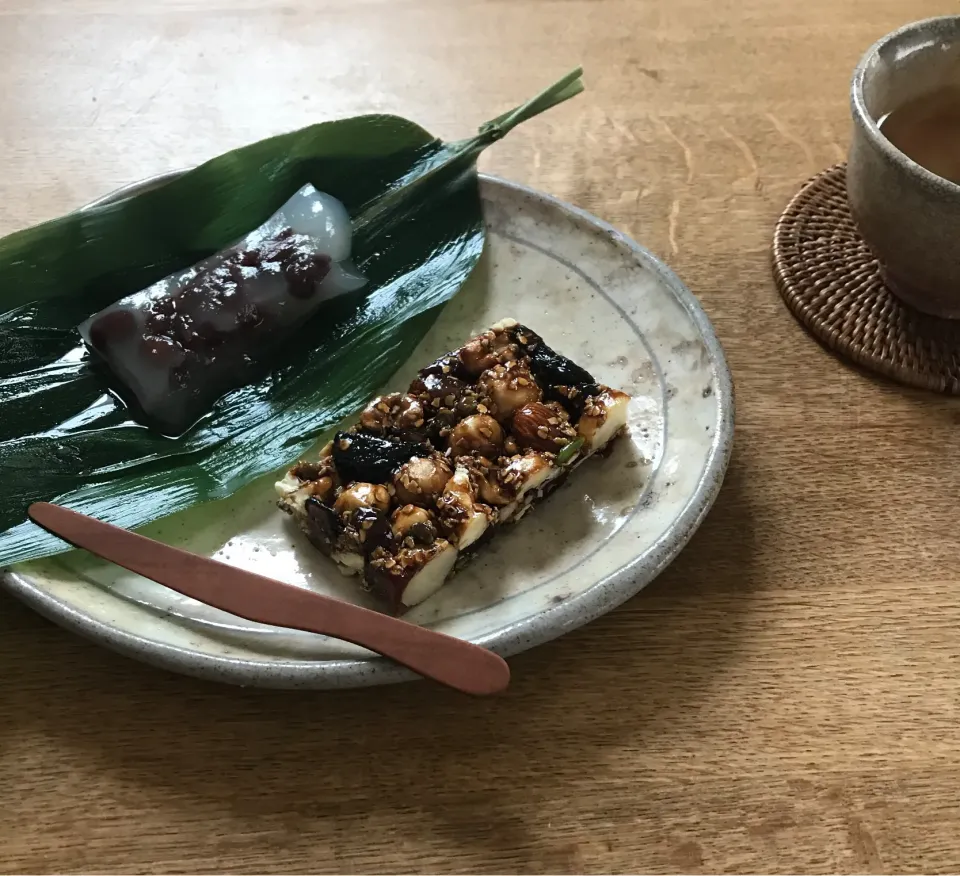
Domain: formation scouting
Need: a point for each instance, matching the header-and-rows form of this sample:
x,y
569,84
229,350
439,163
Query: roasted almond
x,y
539,427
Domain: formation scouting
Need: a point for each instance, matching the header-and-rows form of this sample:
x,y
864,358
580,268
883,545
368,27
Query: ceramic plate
x,y
595,296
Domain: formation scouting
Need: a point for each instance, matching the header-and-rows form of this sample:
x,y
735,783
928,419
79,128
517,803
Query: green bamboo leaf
x,y
418,233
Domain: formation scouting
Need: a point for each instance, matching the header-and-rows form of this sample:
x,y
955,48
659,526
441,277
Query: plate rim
x,y
603,596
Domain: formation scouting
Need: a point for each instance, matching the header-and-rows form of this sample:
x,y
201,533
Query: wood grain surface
x,y
784,698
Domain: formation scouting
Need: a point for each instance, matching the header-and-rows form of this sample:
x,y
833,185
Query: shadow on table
x,y
421,759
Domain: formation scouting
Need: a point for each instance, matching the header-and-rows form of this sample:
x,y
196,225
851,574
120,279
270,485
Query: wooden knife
x,y
450,661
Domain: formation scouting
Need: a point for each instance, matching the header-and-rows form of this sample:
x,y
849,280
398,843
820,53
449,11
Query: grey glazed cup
x,y
908,216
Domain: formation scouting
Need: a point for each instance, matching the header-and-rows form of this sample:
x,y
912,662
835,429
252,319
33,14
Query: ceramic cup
x,y
909,216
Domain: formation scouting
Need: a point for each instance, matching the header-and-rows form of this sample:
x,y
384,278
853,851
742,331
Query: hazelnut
x,y
485,351
477,434
482,474
322,488
414,522
542,427
394,411
361,495
462,518
421,480
319,478
308,471
508,389
408,413
376,416
491,491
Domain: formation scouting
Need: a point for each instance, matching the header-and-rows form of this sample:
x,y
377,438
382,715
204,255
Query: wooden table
x,y
784,698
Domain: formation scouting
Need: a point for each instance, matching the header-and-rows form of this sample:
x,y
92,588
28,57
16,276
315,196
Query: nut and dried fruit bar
x,y
424,477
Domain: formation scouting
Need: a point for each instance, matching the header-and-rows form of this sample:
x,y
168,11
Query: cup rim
x,y
871,128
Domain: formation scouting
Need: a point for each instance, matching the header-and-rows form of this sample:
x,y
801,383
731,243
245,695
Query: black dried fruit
x,y
443,388
374,529
387,585
363,457
423,534
447,364
324,524
552,369
562,379
547,365
439,426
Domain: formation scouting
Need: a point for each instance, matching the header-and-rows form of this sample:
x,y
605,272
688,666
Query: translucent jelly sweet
x,y
179,345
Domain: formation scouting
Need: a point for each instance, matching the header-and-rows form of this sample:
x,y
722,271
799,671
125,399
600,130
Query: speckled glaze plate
x,y
595,296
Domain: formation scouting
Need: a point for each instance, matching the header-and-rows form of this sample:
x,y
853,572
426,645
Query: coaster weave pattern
x,y
832,284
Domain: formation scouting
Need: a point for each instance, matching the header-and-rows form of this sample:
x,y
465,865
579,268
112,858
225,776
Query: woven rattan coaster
x,y
832,283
